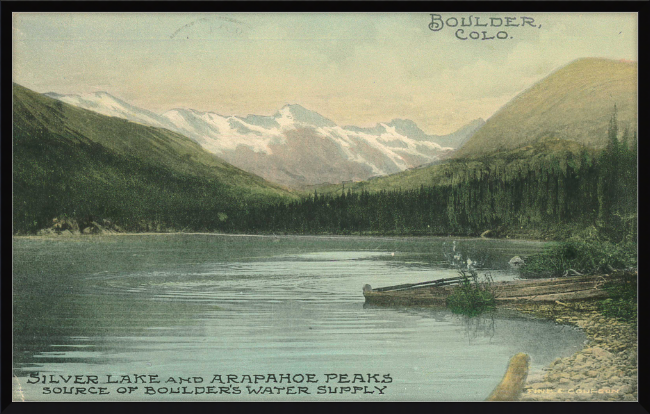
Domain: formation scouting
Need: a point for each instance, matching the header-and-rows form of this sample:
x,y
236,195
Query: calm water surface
x,y
202,305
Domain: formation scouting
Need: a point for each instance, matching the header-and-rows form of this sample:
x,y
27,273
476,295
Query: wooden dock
x,y
435,293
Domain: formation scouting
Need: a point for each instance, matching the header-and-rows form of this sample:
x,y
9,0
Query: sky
x,y
353,68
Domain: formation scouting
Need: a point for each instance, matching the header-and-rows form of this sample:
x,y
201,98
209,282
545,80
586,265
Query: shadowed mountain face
x,y
295,147
75,163
575,103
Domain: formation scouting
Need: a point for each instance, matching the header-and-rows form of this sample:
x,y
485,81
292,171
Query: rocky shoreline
x,y
604,370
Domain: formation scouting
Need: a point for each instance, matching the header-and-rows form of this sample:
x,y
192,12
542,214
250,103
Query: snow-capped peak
x,y
304,117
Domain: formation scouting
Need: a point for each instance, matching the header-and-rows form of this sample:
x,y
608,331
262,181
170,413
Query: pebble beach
x,y
604,370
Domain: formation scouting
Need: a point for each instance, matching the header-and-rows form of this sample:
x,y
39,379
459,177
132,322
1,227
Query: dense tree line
x,y
617,185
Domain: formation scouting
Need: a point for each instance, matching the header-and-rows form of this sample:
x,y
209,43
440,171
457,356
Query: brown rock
x,y
601,353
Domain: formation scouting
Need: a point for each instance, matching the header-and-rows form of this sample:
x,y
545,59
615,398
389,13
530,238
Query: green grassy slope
x,y
575,103
76,163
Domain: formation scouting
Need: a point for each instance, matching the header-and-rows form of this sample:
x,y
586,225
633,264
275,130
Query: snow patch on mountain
x,y
106,104
272,142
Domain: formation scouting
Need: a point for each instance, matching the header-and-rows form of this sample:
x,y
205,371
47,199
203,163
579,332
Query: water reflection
x,y
479,327
183,305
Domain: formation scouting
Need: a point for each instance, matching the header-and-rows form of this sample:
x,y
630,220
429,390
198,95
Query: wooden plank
x,y
514,284
449,283
566,296
421,284
543,290
554,281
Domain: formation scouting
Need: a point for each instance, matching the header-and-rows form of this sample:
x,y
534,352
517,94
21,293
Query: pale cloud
x,y
353,68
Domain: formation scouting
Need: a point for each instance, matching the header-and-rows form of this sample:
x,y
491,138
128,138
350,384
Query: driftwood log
x,y
510,387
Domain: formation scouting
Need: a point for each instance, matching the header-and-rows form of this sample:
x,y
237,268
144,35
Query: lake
x,y
288,309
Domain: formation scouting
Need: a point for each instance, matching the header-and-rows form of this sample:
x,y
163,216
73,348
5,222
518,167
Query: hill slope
x,y
540,152
576,103
73,162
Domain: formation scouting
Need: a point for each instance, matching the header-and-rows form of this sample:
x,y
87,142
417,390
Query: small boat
x,y
435,292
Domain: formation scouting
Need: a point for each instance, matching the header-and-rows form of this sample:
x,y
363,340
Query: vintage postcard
x,y
418,206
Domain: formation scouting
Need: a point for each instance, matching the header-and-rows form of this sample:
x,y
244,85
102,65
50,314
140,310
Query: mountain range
x,y
150,171
295,147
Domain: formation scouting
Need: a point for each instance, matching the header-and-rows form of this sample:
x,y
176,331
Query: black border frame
x,y
8,7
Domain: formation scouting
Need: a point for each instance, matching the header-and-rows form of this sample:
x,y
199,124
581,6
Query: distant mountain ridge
x,y
296,147
574,103
106,104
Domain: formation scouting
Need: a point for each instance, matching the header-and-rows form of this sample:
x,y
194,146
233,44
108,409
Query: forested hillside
x,y
78,166
552,189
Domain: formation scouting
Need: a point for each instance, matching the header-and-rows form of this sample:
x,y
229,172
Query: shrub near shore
x,y
573,258
622,301
472,298
593,257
